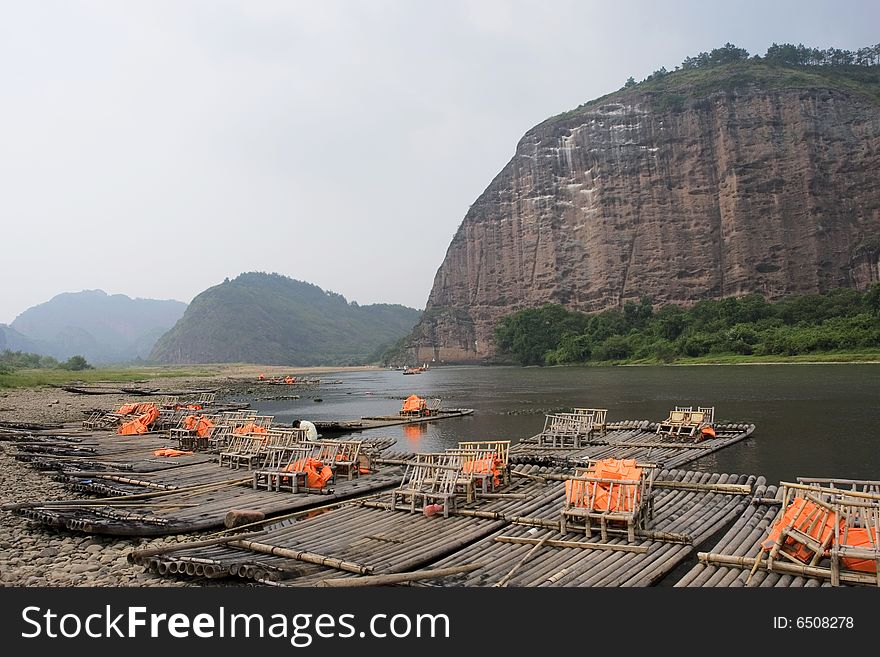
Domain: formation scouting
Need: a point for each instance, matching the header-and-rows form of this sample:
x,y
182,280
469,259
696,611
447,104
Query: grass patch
x,y
674,90
32,378
865,356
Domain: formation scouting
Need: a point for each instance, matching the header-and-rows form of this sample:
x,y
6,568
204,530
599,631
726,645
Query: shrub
x,y
75,364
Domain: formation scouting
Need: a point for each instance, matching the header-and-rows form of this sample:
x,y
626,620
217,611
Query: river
x,y
812,420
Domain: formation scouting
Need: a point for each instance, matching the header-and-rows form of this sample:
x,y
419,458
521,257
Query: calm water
x,y
812,420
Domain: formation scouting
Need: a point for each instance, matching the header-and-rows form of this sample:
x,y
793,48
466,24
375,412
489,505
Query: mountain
x,y
272,319
15,341
102,327
701,183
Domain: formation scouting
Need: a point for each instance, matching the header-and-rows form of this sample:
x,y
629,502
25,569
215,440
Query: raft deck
x,y
377,422
741,543
632,439
194,508
494,534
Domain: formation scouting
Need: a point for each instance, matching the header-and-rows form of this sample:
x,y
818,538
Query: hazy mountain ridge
x,y
103,328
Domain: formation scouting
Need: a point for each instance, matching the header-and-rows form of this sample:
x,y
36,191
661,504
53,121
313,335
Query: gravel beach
x,y
32,554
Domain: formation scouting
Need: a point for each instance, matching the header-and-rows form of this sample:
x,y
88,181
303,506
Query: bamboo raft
x,y
100,450
198,507
361,538
740,560
152,496
511,538
541,556
632,439
380,421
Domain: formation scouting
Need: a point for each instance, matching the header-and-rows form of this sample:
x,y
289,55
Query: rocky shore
x,y
32,554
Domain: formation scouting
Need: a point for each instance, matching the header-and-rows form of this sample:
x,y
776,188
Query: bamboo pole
x,y
831,491
397,578
787,568
504,580
303,512
732,489
134,555
305,556
614,547
662,445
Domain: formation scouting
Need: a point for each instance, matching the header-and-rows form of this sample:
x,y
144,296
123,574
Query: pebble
x,y
79,568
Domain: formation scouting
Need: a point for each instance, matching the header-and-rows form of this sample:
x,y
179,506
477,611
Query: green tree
x,y
75,364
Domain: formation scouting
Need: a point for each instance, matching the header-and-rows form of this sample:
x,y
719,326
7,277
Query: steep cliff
x,y
706,183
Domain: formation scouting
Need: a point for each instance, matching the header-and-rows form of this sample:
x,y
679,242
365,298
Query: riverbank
x,y
737,359
862,358
32,400
35,555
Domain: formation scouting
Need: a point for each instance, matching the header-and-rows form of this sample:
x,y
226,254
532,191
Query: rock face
x,y
763,181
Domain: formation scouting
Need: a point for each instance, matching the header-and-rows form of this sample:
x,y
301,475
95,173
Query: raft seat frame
x,y
567,430
849,504
501,449
429,478
638,494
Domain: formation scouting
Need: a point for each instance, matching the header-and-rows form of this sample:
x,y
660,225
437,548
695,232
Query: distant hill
x,y
102,327
15,341
273,319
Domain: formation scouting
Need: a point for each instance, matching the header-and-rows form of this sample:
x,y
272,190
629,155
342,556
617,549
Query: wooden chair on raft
x,y
100,420
429,479
277,471
616,495
206,398
287,467
469,478
244,449
566,430
831,526
685,421
195,434
598,418
227,422
347,460
502,454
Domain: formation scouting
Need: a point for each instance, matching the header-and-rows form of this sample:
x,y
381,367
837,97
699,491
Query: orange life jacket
x,y
801,514
317,474
167,451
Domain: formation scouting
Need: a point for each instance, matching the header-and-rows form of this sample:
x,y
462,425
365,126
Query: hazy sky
x,y
154,148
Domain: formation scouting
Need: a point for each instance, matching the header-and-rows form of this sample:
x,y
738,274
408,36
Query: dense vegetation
x,y
18,360
844,320
275,320
785,54
730,69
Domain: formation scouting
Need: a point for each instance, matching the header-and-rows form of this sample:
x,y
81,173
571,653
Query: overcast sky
x,y
154,148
